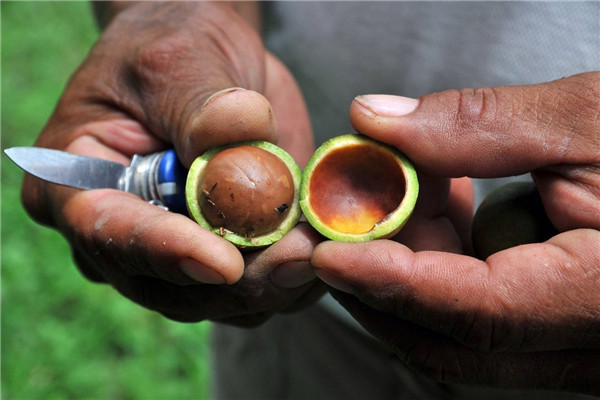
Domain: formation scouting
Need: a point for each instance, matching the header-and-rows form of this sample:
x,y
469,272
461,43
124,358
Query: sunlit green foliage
x,y
62,336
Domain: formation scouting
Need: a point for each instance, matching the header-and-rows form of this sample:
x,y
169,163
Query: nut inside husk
x,y
247,192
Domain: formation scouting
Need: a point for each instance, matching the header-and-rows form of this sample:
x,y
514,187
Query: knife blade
x,y
158,178
68,169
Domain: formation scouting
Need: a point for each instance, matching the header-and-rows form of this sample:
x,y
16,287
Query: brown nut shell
x,y
246,190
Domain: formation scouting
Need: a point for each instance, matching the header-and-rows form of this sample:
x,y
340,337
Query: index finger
x,y
120,231
490,132
538,296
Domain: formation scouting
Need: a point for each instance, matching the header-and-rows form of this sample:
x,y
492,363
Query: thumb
x,y
193,83
227,116
489,132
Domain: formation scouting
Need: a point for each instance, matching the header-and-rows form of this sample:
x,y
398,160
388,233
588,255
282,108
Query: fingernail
x,y
293,274
221,93
333,280
201,273
386,105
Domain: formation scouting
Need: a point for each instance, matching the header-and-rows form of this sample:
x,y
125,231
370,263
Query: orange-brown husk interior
x,y
354,187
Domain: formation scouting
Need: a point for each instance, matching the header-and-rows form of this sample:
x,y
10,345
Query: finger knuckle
x,y
579,104
487,327
585,89
485,334
167,55
476,106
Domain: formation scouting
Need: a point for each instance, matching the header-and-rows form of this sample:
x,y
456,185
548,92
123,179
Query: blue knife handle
x,y
170,181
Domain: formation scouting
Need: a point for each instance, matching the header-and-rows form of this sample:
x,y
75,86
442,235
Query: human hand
x,y
528,316
189,76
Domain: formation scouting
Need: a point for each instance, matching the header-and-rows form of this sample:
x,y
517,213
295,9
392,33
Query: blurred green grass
x,y
62,336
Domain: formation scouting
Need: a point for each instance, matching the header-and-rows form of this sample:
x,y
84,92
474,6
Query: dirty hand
x,y
189,76
528,316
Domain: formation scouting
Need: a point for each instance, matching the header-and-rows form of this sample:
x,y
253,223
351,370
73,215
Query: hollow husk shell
x,y
357,189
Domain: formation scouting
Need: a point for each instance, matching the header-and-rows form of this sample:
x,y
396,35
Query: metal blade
x,y
67,169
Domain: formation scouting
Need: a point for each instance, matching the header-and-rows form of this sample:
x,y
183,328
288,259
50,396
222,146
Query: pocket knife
x,y
158,178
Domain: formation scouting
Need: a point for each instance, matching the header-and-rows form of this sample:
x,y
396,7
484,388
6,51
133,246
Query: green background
x,y
62,336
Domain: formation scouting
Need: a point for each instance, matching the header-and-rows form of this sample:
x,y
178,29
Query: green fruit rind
x,y
293,214
393,222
